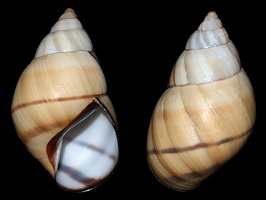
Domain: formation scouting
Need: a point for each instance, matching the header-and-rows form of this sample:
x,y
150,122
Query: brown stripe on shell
x,y
94,148
203,173
185,179
42,101
200,145
38,130
79,177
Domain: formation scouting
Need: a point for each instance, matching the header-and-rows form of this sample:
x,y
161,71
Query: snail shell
x,y
61,111
206,114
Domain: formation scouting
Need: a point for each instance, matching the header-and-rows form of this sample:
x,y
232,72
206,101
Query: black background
x,y
137,45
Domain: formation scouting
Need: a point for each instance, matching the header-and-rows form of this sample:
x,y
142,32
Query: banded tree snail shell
x,y
61,111
207,113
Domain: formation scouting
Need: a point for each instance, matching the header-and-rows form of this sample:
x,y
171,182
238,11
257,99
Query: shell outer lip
x,y
99,102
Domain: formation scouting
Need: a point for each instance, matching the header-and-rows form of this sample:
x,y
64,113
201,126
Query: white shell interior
x,y
89,153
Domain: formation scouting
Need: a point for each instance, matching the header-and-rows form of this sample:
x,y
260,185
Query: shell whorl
x,y
207,113
61,111
66,35
210,33
209,55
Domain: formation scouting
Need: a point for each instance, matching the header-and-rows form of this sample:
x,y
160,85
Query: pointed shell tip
x,y
211,16
69,13
69,10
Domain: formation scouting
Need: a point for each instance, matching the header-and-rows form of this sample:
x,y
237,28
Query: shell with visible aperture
x,y
207,113
61,111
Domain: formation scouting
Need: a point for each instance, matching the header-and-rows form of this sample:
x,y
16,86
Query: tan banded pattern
x,y
201,145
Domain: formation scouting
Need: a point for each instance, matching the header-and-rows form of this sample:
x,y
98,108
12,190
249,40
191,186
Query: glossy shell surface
x,y
61,110
207,113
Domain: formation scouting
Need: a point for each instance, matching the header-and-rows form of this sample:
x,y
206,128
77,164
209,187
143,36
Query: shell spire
x,y
66,35
200,62
67,21
210,33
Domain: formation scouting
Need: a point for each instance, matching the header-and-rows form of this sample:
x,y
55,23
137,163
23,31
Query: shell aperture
x,y
89,150
61,110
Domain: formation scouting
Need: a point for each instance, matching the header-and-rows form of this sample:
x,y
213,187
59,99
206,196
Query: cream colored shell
x,y
207,113
60,82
